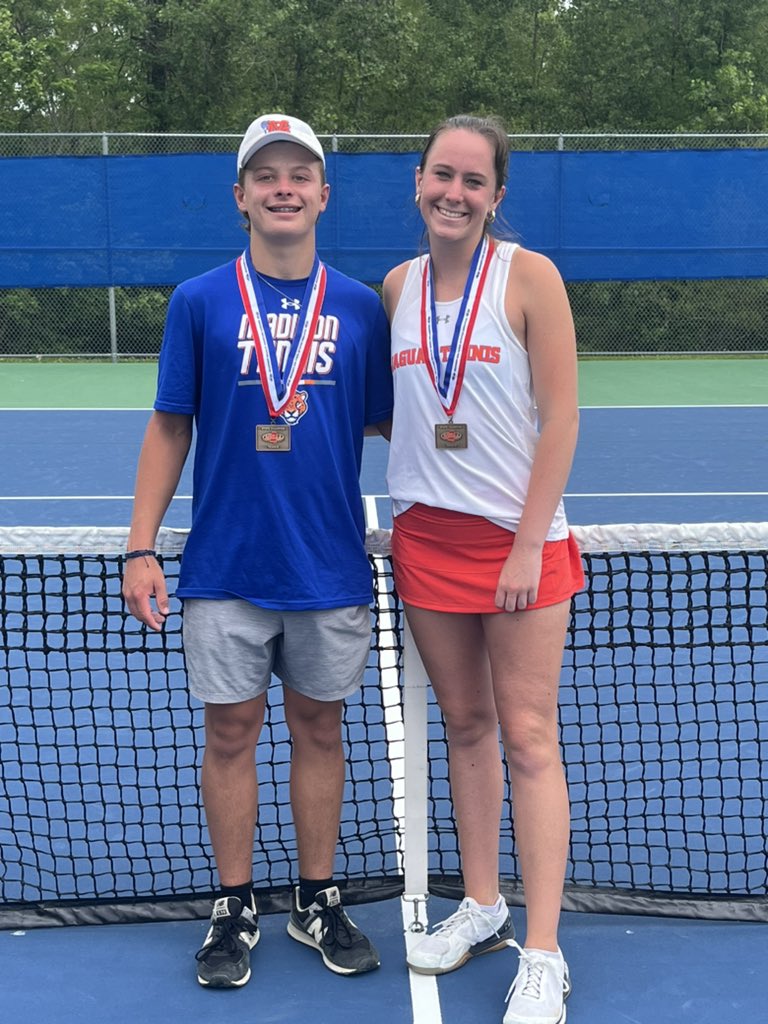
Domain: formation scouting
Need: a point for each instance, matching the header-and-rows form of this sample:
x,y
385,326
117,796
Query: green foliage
x,y
140,314
611,317
670,316
75,68
31,324
65,321
664,65
392,67
384,66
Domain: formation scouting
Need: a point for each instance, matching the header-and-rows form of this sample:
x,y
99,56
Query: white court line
x,y
633,494
666,494
81,497
425,999
727,405
374,497
66,408
618,408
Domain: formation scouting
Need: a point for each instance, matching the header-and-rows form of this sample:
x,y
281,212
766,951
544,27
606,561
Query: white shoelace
x,y
466,915
534,971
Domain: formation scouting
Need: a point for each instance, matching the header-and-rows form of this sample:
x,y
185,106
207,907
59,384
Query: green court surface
x,y
613,382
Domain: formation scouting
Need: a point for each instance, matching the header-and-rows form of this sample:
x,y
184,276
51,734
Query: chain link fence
x,y
613,318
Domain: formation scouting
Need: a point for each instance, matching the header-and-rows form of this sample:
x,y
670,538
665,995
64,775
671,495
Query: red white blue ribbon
x,y
448,377
280,386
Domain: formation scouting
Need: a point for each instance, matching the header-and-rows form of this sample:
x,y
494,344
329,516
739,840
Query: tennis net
x,y
664,733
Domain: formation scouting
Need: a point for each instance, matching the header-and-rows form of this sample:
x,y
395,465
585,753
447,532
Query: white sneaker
x,y
467,933
538,993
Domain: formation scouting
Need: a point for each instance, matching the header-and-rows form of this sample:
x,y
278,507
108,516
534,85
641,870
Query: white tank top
x,y
490,477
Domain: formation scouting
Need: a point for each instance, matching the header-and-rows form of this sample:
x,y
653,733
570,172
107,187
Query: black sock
x,y
309,888
243,892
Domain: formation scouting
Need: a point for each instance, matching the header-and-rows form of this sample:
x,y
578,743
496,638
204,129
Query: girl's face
x,y
457,185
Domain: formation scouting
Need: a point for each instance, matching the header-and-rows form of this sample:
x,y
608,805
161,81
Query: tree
x,y
73,68
381,66
663,65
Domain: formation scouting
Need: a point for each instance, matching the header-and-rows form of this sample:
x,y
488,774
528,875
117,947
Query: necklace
x,y
287,302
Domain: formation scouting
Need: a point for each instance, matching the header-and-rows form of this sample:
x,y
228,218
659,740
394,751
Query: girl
x,y
484,429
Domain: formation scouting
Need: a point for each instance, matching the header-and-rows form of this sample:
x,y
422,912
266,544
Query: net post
x,y
415,839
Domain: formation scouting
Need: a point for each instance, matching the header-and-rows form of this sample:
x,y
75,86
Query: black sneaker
x,y
325,927
225,958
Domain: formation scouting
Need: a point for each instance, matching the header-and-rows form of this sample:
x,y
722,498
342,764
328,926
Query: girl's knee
x,y
469,728
531,746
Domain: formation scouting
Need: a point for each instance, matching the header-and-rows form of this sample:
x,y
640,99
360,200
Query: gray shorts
x,y
232,648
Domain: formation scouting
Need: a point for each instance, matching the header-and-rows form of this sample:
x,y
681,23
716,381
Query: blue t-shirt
x,y
282,530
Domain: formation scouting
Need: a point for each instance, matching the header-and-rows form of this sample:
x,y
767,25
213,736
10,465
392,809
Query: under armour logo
x,y
444,319
290,303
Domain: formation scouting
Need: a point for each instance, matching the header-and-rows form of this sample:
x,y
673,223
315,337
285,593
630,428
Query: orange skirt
x,y
450,562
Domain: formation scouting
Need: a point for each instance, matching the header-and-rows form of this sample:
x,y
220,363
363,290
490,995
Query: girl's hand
x,y
519,579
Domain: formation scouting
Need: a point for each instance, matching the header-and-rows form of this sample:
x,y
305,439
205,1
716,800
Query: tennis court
x,y
661,442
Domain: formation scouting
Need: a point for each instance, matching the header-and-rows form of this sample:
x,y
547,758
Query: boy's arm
x,y
166,444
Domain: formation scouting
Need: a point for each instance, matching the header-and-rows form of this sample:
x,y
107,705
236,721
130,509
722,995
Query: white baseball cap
x,y
277,128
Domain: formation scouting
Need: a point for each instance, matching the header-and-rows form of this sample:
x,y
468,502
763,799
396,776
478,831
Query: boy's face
x,y
283,193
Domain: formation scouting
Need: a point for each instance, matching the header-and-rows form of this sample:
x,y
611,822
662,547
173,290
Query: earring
x,y
491,216
417,198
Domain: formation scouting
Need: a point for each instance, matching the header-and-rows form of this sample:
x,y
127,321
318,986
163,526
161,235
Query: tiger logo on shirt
x,y
295,409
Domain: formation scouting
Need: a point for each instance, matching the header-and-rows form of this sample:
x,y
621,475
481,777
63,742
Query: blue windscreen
x,y
156,220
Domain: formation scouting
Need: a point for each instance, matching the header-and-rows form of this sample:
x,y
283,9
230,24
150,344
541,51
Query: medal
x,y
273,437
451,435
448,379
280,386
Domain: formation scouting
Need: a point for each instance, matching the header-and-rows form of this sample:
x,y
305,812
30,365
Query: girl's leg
x,y
453,649
526,650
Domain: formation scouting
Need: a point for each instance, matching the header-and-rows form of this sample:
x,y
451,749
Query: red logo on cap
x,y
277,126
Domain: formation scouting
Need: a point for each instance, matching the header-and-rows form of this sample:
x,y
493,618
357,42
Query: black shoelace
x,y
337,928
224,938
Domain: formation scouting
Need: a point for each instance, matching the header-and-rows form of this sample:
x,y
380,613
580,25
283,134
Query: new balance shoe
x,y
324,926
224,961
538,993
466,934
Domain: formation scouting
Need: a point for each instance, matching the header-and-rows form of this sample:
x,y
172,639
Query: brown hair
x,y
490,128
494,131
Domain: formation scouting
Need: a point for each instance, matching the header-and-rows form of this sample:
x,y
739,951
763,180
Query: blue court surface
x,y
668,465
634,465
625,970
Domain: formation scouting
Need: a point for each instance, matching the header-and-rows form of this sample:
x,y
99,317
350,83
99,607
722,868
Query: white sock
x,y
547,954
497,911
